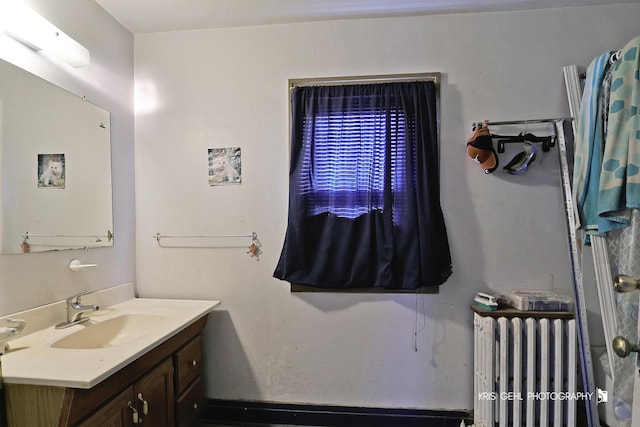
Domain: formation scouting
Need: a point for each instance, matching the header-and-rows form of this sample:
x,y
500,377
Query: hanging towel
x,y
588,147
619,187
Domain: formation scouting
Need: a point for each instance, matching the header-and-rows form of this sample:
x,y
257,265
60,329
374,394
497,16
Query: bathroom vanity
x,y
138,362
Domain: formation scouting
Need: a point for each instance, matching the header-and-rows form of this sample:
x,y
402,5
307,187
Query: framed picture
x,y
51,170
225,166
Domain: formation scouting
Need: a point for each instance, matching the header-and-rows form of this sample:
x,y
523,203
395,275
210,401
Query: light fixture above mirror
x,y
25,25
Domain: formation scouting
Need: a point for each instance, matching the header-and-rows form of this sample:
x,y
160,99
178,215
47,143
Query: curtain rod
x,y
517,122
388,78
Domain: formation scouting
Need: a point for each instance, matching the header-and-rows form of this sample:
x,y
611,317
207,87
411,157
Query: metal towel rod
x,y
27,235
255,249
159,236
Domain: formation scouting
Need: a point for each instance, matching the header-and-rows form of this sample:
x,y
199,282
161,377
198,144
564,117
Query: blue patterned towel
x,y
619,187
589,143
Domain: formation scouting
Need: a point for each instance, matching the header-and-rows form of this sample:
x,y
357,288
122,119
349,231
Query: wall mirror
x,y
55,167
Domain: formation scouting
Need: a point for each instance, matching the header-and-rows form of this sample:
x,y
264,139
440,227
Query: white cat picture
x,y
225,166
51,170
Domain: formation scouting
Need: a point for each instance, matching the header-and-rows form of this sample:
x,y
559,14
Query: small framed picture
x,y
51,170
225,166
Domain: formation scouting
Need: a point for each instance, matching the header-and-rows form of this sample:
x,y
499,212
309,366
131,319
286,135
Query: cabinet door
x,y
189,405
119,412
188,362
154,396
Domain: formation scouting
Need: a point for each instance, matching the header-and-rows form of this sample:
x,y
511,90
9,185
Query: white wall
x,y
35,279
228,87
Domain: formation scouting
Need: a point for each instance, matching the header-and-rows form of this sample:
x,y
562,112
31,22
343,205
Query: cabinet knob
x,y
194,363
195,406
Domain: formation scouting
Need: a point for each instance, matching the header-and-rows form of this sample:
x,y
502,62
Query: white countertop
x,y
31,359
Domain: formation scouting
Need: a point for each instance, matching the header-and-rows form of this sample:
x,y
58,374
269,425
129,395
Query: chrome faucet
x,y
75,309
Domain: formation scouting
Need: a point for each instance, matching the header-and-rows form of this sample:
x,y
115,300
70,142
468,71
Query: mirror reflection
x,y
55,167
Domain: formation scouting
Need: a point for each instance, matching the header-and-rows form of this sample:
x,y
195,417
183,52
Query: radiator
x,y
525,371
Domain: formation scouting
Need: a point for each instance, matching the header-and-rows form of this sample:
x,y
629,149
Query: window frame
x,y
435,77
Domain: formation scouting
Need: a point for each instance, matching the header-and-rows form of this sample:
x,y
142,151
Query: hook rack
x,y
521,122
547,141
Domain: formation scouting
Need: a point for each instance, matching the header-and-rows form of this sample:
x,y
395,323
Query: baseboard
x,y
232,411
3,412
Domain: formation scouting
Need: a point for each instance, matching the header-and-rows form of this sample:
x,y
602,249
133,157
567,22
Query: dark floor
x,y
275,425
250,425
241,424
224,413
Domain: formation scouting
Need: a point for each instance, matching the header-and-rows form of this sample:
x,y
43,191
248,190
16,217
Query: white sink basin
x,y
112,332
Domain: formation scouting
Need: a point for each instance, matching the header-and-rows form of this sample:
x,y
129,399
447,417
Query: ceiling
x,y
150,16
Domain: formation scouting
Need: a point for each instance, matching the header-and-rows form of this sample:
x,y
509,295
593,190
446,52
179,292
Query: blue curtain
x,y
364,191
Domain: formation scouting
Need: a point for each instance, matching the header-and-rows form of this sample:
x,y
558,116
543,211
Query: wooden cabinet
x,y
161,388
189,404
188,384
118,412
147,402
154,396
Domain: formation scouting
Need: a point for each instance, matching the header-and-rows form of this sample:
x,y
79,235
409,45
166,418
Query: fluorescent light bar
x,y
28,27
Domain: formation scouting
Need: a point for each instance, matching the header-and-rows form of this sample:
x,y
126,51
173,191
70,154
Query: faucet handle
x,y
19,326
10,332
76,298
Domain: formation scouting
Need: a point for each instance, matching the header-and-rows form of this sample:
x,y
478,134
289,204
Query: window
x,y
344,165
364,207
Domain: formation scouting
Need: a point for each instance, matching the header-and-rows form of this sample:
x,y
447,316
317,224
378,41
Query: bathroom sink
x,y
111,332
124,329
